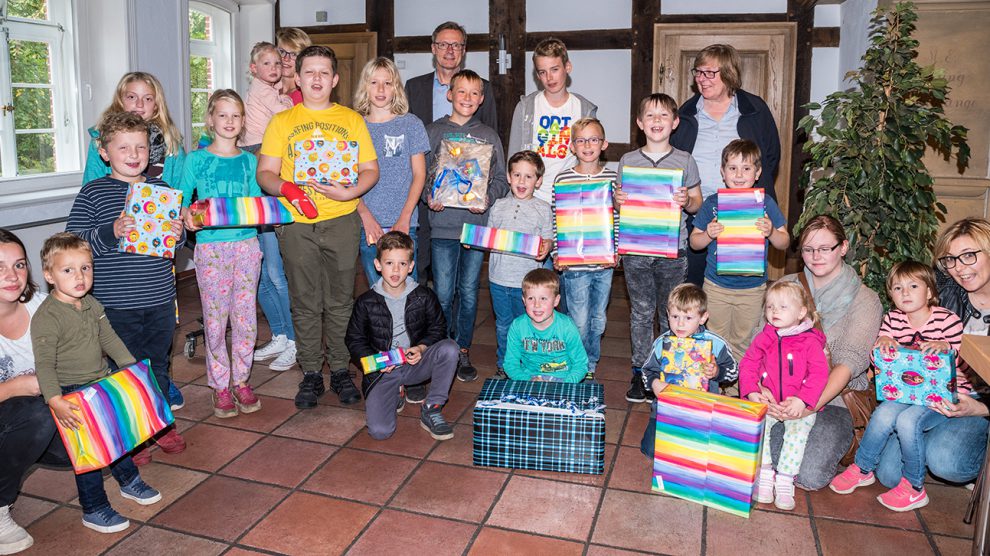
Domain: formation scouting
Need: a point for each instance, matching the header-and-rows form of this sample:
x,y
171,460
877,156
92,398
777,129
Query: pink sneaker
x,y
245,400
142,456
172,442
851,479
764,490
223,404
903,497
783,492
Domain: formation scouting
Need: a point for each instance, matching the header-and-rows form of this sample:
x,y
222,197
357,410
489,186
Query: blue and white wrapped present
x,y
549,426
910,377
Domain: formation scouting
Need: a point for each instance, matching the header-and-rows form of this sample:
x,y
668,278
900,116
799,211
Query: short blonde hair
x,y
551,48
977,229
587,122
293,37
796,292
260,48
224,94
113,123
917,271
745,148
727,59
541,277
60,242
400,102
688,297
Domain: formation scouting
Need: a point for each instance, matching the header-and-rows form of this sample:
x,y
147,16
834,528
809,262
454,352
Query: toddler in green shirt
x,y
544,344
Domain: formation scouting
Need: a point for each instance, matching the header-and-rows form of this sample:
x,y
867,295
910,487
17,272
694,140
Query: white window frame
x,y
59,32
220,49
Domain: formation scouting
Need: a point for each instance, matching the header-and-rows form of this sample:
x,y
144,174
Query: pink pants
x,y
227,273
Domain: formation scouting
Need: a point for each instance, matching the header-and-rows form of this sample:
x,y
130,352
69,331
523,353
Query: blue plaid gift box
x,y
550,426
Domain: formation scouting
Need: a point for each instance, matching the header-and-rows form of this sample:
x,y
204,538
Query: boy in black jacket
x,y
398,313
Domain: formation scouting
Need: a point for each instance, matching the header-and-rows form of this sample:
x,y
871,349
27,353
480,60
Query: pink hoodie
x,y
263,101
794,362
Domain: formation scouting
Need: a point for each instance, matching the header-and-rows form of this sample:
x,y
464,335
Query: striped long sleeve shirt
x,y
120,280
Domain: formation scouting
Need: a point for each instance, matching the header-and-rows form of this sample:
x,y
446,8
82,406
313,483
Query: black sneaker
x,y
416,393
500,374
340,383
465,370
310,389
637,393
432,420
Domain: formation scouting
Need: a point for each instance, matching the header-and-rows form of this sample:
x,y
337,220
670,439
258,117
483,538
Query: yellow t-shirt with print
x,y
337,123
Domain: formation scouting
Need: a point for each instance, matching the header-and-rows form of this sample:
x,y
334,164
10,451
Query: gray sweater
x,y
447,224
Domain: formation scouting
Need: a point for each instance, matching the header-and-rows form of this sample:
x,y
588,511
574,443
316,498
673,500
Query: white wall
x,y
722,6
421,17
302,13
854,35
548,16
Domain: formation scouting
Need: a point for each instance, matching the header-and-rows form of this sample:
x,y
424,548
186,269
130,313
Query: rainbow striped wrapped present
x,y
584,219
708,448
232,212
741,249
497,239
650,220
379,361
118,413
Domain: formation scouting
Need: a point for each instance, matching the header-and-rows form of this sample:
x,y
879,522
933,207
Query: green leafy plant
x,y
866,149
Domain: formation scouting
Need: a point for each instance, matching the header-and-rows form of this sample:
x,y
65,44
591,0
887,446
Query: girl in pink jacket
x,y
785,367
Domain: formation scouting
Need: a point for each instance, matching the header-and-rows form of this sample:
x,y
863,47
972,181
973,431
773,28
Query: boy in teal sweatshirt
x,y
544,344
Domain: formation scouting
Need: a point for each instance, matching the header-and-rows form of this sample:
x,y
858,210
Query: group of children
x,y
336,224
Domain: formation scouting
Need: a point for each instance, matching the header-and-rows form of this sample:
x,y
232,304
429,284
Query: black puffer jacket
x,y
370,328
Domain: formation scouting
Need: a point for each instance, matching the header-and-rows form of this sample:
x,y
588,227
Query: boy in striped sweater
x,y
137,291
920,323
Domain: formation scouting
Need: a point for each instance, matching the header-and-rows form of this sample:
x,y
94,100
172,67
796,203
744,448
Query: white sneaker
x,y
272,348
286,359
13,537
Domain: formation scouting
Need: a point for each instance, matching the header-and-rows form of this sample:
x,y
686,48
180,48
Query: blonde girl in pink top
x,y
265,98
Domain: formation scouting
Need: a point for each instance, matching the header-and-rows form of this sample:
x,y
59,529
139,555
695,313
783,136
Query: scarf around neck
x,y
833,300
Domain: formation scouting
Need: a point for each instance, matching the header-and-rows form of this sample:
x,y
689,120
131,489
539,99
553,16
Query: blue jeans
x,y
904,425
457,270
273,289
587,293
147,334
368,253
92,495
952,449
508,304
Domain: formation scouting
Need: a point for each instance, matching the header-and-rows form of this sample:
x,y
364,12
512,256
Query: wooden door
x,y
767,53
353,51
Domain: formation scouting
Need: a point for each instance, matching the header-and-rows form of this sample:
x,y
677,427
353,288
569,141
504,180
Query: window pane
x,y
35,153
199,107
200,72
33,108
200,26
30,62
28,9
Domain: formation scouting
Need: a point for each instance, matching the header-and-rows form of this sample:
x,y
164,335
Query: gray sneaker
x,y
106,520
139,491
465,370
432,420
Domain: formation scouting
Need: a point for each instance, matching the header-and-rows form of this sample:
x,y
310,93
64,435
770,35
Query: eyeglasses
x,y
968,258
822,251
455,46
593,141
283,53
707,74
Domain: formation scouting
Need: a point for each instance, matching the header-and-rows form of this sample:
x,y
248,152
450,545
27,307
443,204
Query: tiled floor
x,y
313,482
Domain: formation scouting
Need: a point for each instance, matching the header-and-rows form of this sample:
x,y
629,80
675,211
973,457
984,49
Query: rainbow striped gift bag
x,y
497,239
584,219
118,413
379,361
650,220
232,212
741,249
708,448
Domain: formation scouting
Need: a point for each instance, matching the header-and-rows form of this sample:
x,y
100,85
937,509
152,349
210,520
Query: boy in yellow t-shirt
x,y
319,251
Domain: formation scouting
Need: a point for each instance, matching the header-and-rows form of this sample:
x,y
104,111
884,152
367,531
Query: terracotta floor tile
x,y
458,450
497,541
450,491
185,370
52,484
616,345
331,425
199,403
346,475
635,427
307,523
612,367
237,551
279,461
620,526
220,507
209,447
62,532
460,402
404,533
848,538
152,541
951,546
285,385
410,439
597,550
945,510
800,505
861,507
761,533
615,420
579,478
260,373
273,412
632,471
27,509
473,386
565,510
615,393
173,482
